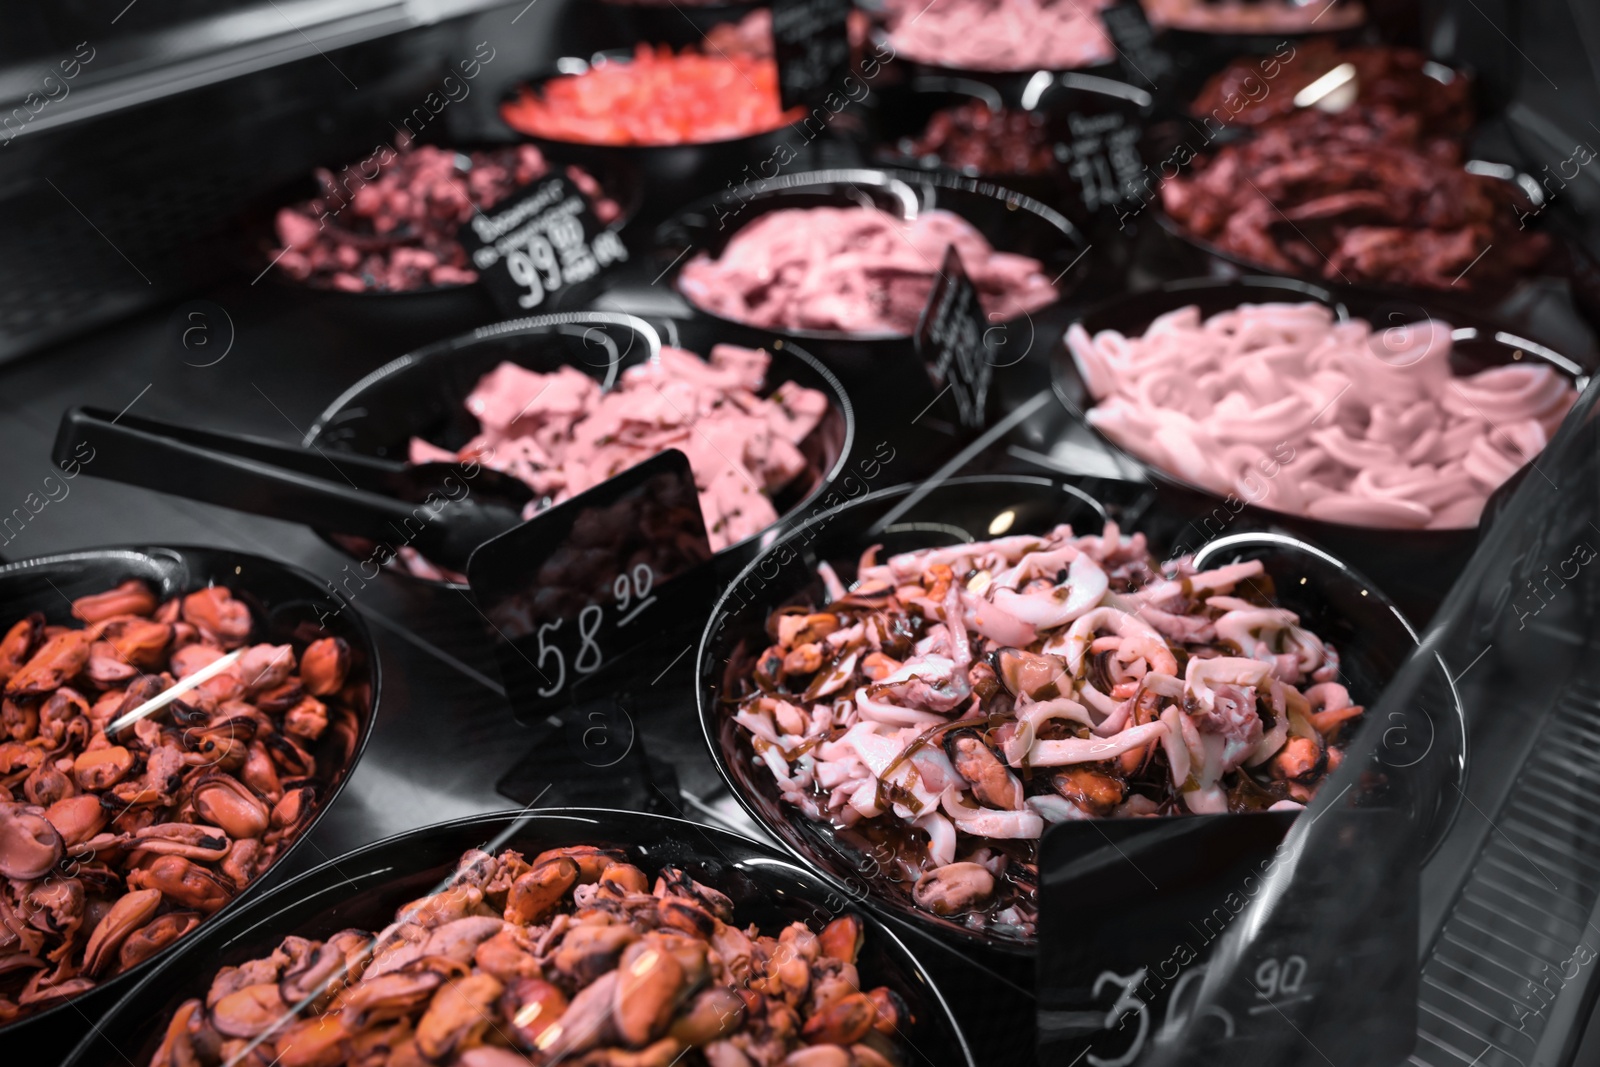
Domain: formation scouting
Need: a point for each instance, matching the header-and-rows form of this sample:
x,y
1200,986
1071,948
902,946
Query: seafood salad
x,y
1000,35
561,433
658,97
400,231
856,270
112,848
575,958
958,700
1337,421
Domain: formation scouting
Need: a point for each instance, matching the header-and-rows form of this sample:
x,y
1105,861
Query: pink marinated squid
x,y
1285,408
955,701
562,434
855,270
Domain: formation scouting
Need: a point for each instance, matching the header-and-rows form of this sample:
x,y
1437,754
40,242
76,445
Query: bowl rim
x,y
673,827
1065,372
707,709
551,324
885,178
141,972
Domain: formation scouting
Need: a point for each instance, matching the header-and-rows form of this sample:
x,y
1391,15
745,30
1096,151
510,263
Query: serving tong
x,y
338,491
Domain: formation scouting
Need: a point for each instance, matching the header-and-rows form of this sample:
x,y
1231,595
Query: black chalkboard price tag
x,y
950,338
1333,962
812,43
540,241
1101,154
1142,62
584,581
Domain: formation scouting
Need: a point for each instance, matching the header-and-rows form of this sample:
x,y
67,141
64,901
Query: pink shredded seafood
x,y
956,701
1290,410
856,270
1000,34
561,433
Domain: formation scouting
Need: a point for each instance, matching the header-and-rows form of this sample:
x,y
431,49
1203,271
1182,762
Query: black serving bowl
x,y
430,309
1416,567
1010,222
1372,637
423,394
365,888
1093,125
1011,85
1189,253
670,174
287,605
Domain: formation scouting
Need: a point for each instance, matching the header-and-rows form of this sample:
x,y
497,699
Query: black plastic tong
x,y
444,510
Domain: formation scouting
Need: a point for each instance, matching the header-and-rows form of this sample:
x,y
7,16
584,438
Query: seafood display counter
x,y
824,534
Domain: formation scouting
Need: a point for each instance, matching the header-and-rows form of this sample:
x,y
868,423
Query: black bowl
x,y
1093,124
670,174
1416,567
364,888
1192,254
1372,637
1011,85
1010,221
1198,54
423,394
286,604
431,310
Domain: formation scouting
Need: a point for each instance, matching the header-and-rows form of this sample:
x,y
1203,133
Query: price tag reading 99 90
x,y
542,239
584,581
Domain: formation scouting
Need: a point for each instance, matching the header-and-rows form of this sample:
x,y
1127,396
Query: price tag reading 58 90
x,y
632,596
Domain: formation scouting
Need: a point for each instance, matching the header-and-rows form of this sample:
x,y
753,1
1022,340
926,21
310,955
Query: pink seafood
x,y
562,434
1256,16
856,270
955,701
1281,406
1000,34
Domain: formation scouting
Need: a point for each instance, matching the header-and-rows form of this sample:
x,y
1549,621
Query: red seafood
x,y
1037,679
656,98
856,270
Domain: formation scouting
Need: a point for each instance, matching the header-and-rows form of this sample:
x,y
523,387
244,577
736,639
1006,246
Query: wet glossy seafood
x,y
1326,201
955,701
112,848
575,957
857,270
1000,34
562,434
1368,427
399,232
